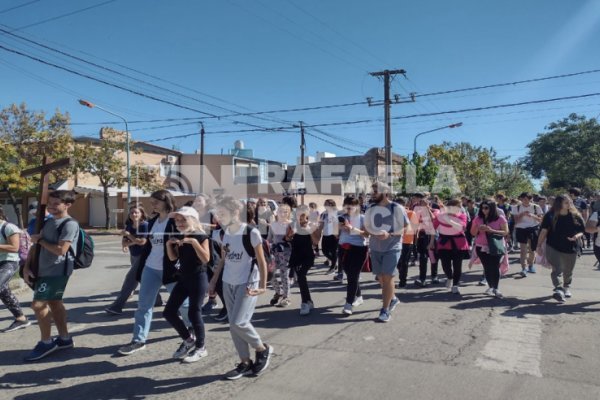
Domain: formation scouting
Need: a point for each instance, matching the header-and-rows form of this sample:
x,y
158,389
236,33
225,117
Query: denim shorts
x,y
384,263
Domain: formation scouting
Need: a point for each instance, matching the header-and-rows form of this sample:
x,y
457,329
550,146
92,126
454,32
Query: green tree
x,y
102,161
26,137
510,179
567,154
473,165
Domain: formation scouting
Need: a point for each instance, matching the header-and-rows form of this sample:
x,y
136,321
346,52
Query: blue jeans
x,y
149,287
129,284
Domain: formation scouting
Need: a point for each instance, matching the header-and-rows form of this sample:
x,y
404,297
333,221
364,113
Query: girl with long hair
x,y
562,230
486,227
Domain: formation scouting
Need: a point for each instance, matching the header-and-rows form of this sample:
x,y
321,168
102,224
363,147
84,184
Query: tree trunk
x,y
13,202
106,209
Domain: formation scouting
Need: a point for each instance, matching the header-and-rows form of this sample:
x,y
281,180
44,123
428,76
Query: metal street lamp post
x,y
92,105
456,125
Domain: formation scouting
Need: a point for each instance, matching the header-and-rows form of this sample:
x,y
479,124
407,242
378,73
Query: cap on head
x,y
186,212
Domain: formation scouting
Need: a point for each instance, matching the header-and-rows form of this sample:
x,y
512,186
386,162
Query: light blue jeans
x,y
150,285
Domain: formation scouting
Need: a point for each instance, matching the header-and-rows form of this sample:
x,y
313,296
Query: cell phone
x,y
341,220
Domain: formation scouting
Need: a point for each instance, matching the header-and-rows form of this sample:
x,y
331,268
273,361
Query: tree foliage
x,y
101,161
26,137
567,154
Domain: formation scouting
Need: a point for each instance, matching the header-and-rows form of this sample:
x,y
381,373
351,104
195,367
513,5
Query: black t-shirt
x,y
188,258
565,227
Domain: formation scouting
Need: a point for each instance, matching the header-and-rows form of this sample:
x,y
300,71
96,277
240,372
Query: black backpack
x,y
84,254
215,252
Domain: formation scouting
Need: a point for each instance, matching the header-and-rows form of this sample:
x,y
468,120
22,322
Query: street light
x,y
92,105
456,125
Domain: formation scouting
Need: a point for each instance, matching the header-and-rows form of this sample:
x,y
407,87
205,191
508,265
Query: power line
x,y
593,71
124,75
64,15
138,93
19,6
276,129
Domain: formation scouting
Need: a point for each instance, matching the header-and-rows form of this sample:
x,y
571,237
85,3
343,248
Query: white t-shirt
x,y
157,237
330,223
527,221
238,263
594,218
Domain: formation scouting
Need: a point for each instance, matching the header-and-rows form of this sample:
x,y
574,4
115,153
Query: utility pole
x,y
387,74
202,157
302,149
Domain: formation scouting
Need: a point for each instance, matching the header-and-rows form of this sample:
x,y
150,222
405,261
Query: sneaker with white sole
x,y
131,348
523,273
489,291
455,290
384,315
559,295
184,349
240,370
394,303
448,284
498,294
262,359
347,309
305,309
358,301
16,325
195,355
568,293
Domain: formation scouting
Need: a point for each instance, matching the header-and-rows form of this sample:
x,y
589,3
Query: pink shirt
x,y
481,238
444,227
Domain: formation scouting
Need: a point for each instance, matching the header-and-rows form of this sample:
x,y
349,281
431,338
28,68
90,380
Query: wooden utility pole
x,y
202,158
302,149
387,74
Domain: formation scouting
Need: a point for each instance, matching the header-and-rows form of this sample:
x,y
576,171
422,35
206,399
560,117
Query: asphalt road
x,y
437,345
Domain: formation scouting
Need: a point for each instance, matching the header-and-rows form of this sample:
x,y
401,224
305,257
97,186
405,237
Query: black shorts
x,y
526,234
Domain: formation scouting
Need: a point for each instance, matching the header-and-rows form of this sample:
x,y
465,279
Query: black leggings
x,y
491,267
402,266
195,287
352,261
301,262
597,253
423,251
452,265
329,245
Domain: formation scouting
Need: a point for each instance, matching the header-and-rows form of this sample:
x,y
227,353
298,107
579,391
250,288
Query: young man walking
x,y
55,266
384,222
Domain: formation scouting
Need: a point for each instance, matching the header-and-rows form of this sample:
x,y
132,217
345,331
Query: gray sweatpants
x,y
561,263
240,308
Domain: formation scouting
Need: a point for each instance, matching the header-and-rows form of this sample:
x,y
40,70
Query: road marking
x,y
514,346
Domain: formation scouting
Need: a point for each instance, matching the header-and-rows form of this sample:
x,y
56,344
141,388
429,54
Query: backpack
x,y
250,250
24,244
84,254
215,252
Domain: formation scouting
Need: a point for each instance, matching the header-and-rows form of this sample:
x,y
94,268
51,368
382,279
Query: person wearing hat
x,y
192,250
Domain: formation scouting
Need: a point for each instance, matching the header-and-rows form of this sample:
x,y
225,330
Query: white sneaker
x,y
455,290
568,293
358,301
184,349
195,355
489,291
498,294
305,309
448,283
347,309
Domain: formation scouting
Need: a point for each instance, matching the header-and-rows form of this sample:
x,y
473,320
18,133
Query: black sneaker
x,y
275,299
240,370
222,316
262,359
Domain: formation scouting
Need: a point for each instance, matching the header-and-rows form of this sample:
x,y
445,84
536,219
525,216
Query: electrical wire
x,y
64,15
16,7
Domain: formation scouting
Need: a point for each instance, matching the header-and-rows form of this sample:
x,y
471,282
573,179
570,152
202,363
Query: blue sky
x,y
259,55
